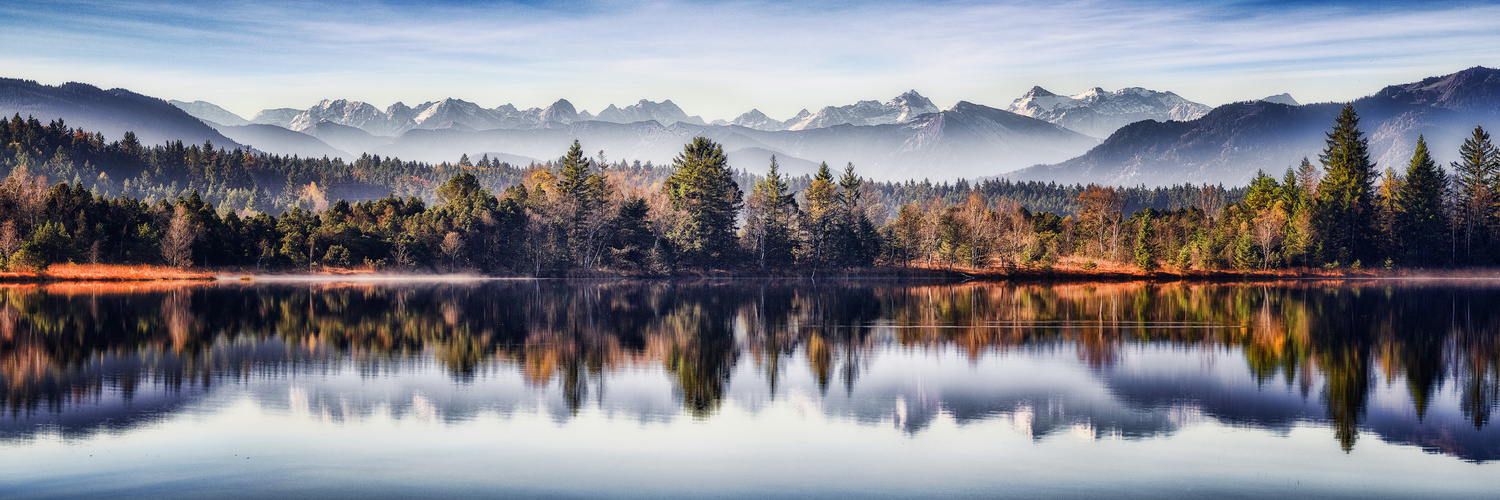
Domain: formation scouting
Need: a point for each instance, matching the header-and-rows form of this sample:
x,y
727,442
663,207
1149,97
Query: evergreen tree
x,y
768,221
1387,213
1345,196
1420,215
855,234
703,189
1475,195
582,196
49,244
632,238
820,207
1145,245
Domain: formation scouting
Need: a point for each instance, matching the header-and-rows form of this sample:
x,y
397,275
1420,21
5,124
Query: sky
x,y
719,59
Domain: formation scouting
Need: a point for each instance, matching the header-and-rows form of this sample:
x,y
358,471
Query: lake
x,y
750,388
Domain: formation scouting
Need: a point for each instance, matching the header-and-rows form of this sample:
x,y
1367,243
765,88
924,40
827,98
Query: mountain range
x,y
1229,144
1149,137
970,139
1098,113
894,139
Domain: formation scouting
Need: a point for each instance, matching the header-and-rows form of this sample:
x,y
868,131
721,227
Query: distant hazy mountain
x,y
281,117
274,139
1098,113
352,113
1282,98
346,138
559,113
207,111
110,112
1230,143
454,114
902,108
665,113
758,121
967,140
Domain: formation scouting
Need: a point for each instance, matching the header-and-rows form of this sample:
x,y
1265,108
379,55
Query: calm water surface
x,y
750,388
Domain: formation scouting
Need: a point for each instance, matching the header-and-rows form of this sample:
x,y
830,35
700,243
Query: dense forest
x,y
191,206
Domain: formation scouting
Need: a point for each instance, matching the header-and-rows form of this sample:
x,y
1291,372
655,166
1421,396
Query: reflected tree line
x,y
66,343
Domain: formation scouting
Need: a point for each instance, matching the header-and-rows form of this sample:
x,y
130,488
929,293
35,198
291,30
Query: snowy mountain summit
x,y
1282,98
759,121
900,109
665,113
1098,113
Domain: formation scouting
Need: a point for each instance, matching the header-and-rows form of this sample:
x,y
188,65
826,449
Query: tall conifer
x,y
1419,204
1346,194
1476,194
703,189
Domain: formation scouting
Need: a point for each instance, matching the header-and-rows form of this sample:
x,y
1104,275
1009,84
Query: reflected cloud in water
x,y
1410,363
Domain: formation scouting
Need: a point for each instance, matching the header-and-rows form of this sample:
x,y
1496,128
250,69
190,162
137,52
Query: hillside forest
x,y
196,206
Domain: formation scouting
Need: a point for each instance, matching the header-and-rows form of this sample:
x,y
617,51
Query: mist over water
x,y
750,388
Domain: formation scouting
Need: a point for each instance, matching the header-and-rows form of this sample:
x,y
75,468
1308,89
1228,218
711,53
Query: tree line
x,y
582,215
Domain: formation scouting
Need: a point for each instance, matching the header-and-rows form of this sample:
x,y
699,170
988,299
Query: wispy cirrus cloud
x,y
719,59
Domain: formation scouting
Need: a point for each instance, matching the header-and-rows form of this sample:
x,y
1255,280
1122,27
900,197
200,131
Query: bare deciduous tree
x,y
177,243
9,241
452,248
1267,232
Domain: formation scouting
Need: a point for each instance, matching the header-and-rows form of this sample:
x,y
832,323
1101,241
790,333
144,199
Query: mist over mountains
x,y
110,112
1129,136
1229,144
1098,113
896,139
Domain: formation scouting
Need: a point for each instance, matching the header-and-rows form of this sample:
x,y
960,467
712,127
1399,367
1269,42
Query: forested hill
x,y
240,180
1232,142
110,112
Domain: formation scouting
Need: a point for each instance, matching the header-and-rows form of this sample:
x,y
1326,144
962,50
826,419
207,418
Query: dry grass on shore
x,y
105,272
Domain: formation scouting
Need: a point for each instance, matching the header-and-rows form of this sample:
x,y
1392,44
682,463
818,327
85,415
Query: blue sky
x,y
719,59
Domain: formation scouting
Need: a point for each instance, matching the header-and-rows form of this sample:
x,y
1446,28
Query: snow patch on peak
x,y
900,109
759,121
1282,98
207,111
1037,91
1099,113
665,113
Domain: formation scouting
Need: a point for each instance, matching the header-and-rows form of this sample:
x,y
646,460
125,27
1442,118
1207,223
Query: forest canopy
x,y
71,196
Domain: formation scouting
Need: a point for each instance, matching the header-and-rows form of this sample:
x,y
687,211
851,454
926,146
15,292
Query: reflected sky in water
x,y
750,388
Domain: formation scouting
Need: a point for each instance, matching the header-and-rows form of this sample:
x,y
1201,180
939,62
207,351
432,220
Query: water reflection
x,y
1409,362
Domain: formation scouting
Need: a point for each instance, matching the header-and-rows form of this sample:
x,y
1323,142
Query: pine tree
x,y
703,189
856,235
1145,244
1419,205
820,201
768,220
1475,193
1345,196
1387,213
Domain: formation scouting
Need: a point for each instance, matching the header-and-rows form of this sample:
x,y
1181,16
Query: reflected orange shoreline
x,y
58,340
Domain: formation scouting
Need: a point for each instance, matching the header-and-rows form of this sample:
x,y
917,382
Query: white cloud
x,y
719,60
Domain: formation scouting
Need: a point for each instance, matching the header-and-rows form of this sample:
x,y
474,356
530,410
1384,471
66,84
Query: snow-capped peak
x,y
1098,112
1282,98
757,120
899,109
665,113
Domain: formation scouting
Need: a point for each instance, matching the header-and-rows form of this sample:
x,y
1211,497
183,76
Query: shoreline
x,y
73,273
